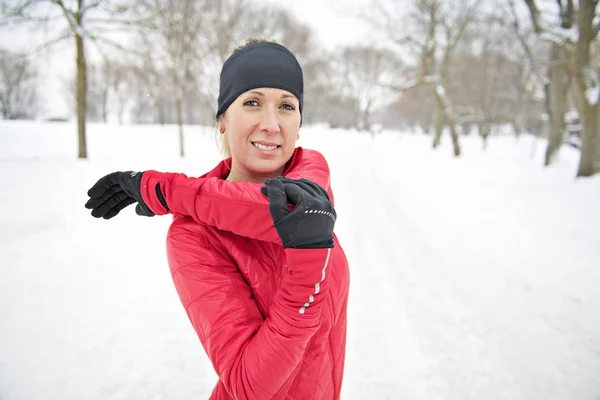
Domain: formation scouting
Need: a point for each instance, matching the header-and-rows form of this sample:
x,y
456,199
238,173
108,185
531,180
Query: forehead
x,y
270,92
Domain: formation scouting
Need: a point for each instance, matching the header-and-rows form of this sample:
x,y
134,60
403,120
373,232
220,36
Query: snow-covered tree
x,y
573,37
81,21
18,95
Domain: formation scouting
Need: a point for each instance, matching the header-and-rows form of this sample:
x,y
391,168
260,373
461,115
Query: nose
x,y
269,122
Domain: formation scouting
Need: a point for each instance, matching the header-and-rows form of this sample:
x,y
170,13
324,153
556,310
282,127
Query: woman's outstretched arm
x,y
237,207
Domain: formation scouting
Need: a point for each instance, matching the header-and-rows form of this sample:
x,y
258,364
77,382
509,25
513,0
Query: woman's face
x,y
261,126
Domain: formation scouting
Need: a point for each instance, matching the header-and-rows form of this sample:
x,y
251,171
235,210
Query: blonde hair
x,y
222,140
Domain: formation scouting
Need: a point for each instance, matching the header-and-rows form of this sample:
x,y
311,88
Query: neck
x,y
237,175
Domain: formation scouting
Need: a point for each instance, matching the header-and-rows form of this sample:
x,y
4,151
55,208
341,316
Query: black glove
x,y
114,192
310,224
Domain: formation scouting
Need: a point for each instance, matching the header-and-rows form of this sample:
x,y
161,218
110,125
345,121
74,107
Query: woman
x,y
265,285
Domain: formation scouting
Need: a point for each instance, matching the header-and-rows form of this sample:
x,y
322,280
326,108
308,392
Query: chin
x,y
266,167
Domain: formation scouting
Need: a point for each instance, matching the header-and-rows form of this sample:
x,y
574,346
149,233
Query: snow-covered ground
x,y
472,278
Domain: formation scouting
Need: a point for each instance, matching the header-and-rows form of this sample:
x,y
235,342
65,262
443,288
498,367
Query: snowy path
x,y
473,278
446,328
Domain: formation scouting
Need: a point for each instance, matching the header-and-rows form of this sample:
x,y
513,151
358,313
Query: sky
x,y
334,23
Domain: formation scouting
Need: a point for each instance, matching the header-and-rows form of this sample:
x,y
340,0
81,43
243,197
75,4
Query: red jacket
x,y
272,320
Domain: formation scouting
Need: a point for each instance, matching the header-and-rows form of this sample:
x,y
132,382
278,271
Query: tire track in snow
x,y
431,302
384,356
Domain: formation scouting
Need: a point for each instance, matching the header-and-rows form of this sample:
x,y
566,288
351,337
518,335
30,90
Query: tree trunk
x,y
160,109
438,127
586,90
454,136
366,116
588,163
179,109
105,105
81,96
484,132
445,114
559,82
466,128
517,126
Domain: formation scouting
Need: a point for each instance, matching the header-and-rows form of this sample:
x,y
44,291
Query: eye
x,y
251,103
288,106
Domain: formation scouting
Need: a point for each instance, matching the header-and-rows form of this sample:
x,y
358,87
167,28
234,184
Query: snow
x,y
471,278
560,36
592,94
431,79
440,91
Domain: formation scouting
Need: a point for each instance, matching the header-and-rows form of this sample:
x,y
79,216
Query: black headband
x,y
259,65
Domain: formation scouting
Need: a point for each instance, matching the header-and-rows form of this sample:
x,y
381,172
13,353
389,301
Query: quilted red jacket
x,y
272,320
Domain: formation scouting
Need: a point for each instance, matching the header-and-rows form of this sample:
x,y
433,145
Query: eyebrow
x,y
284,96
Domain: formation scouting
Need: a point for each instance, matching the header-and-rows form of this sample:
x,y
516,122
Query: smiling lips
x,y
266,146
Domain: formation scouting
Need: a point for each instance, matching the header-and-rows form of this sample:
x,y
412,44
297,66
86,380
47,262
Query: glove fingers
x,y
98,201
104,184
296,194
298,182
311,187
277,199
112,202
317,190
117,209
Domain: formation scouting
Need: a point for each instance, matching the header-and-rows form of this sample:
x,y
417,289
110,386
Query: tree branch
x,y
560,7
90,6
469,14
143,22
26,20
113,44
596,30
52,42
18,11
517,30
534,12
423,80
69,16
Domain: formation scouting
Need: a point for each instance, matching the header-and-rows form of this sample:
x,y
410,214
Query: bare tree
x,y
82,20
417,107
18,95
529,76
151,91
491,80
438,27
559,78
586,75
171,43
146,96
572,60
118,75
365,76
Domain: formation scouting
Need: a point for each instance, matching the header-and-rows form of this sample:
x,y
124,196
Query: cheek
x,y
291,131
238,133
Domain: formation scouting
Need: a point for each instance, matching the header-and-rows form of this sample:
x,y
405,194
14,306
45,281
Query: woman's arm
x,y
237,207
253,357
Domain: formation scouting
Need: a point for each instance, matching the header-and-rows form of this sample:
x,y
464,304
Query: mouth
x,y
266,146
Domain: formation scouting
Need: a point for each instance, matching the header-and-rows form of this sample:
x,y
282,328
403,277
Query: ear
x,y
221,126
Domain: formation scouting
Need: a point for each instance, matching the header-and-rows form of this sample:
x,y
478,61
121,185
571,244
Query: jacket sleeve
x,y
255,358
224,204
